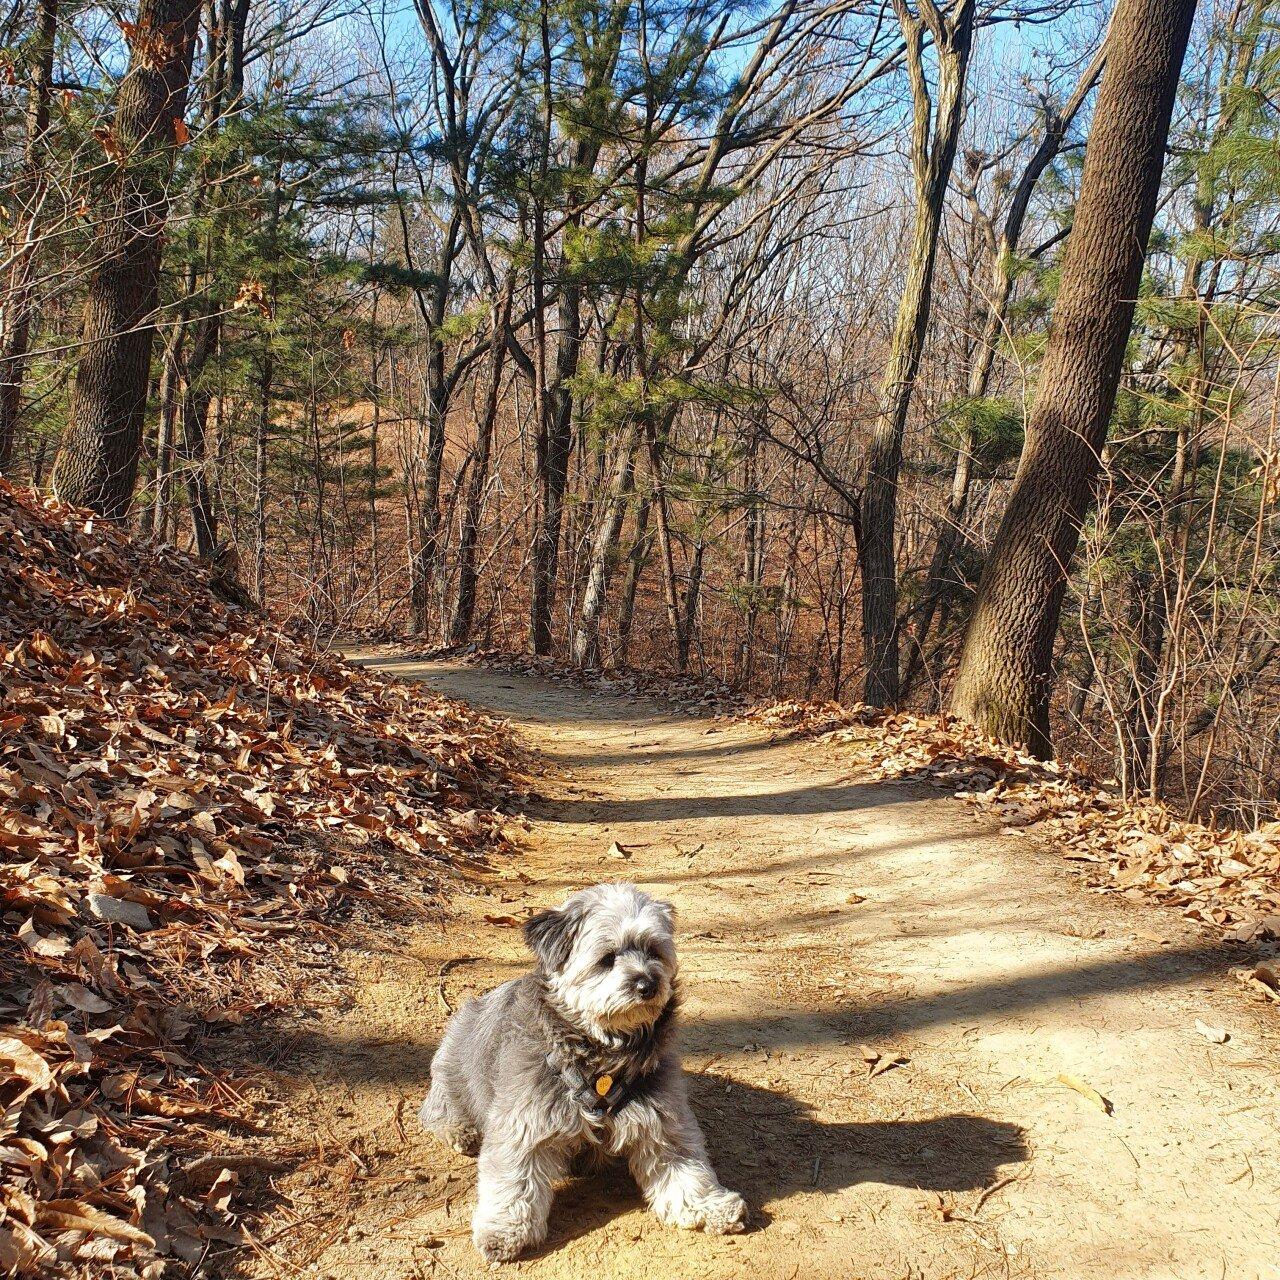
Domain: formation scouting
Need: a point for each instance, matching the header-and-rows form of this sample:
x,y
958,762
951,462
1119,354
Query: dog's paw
x,y
721,1213
724,1214
465,1141
501,1241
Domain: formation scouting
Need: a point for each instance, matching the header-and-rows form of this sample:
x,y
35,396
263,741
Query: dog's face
x,y
608,956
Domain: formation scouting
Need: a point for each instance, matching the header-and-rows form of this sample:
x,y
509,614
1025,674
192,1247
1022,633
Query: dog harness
x,y
606,1094
599,1079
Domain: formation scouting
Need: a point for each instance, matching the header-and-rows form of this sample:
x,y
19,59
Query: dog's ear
x,y
550,935
667,912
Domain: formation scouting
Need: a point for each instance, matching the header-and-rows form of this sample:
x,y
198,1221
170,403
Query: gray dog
x,y
576,1055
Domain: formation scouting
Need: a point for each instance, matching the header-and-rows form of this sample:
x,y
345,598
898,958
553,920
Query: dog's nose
x,y
645,986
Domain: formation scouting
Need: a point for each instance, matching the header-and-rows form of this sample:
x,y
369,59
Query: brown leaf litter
x,y
187,796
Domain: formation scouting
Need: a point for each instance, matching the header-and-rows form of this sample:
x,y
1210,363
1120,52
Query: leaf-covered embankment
x,y
187,793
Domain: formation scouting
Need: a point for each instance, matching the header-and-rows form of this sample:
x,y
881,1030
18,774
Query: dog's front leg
x,y
515,1185
669,1162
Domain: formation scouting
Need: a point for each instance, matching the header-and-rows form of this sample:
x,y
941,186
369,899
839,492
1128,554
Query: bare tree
x,y
97,464
935,134
15,314
1004,676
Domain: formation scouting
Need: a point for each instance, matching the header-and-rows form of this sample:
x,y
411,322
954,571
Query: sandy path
x,y
819,911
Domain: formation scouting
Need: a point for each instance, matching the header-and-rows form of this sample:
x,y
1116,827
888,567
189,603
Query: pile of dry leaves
x,y
1225,879
185,791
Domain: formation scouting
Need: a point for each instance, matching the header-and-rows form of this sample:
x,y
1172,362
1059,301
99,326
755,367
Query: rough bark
x,y
1003,684
15,315
97,464
1002,248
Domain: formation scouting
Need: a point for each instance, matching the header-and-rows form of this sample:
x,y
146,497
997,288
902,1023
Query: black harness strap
x,y
622,1090
631,1066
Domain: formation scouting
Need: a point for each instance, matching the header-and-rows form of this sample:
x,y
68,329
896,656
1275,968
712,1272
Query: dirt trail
x,y
819,911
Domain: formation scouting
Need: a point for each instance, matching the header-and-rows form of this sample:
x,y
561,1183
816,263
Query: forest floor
x,y
919,1047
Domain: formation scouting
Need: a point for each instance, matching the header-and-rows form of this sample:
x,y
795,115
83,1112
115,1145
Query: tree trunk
x,y
478,482
692,594
934,138
196,463
1003,684
753,530
194,448
97,465
556,443
604,546
266,373
637,558
15,316
1002,249
663,525
166,437
944,549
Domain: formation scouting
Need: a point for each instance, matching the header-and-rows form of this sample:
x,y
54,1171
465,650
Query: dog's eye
x,y
606,960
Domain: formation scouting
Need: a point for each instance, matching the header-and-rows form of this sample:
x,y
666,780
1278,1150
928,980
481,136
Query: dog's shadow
x,y
770,1146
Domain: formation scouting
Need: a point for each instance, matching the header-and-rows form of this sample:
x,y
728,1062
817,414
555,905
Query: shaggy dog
x,y
576,1055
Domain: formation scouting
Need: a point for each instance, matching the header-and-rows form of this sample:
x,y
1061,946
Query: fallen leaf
x,y
1086,1091
25,1063
53,948
887,1063
80,997
74,1215
119,911
1217,1035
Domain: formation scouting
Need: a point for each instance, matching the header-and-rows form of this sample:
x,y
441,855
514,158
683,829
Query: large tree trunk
x,y
934,138
15,314
1002,248
1147,722
97,464
1003,684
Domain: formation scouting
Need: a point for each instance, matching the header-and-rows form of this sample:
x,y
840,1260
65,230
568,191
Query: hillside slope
x,y
189,799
